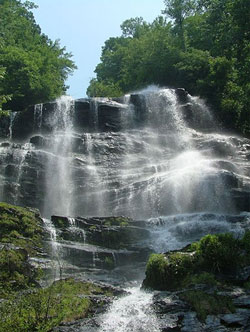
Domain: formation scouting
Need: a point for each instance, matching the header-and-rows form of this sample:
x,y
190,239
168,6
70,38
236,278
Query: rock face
x,y
156,156
175,314
153,153
100,246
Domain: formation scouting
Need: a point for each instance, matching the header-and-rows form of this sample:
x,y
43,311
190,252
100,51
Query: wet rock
x,y
4,124
60,221
38,141
83,117
139,103
22,125
109,117
190,323
241,318
242,301
182,95
242,199
5,144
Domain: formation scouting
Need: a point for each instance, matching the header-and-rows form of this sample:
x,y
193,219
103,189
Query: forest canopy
x,y
33,69
202,45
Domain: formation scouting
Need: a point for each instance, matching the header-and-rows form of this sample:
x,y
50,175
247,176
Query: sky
x,y
83,26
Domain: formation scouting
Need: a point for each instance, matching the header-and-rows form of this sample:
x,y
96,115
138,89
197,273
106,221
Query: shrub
x,y
168,272
219,253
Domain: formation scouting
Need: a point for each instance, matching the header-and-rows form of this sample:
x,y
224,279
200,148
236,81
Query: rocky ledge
x,y
203,287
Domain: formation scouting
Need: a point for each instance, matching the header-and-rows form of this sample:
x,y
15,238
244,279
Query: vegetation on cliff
x,y
43,309
24,304
213,258
20,238
204,274
33,68
202,45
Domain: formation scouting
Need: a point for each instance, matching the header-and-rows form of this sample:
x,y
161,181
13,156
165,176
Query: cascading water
x,y
154,156
131,313
58,169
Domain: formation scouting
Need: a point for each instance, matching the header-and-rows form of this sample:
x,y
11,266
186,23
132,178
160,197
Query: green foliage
x,y
20,226
199,263
35,67
168,272
43,309
205,48
3,98
206,304
21,236
103,89
201,278
219,253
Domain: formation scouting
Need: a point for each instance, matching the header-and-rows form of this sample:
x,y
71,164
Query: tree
x,y
178,10
35,67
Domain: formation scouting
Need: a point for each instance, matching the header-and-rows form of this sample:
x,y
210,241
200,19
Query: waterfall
x,y
58,169
156,155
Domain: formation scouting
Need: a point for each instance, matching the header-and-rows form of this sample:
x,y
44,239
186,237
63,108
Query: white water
x,y
55,253
58,171
131,313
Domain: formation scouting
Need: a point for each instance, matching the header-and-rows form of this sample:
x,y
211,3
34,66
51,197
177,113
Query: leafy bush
x,y
219,253
199,263
168,272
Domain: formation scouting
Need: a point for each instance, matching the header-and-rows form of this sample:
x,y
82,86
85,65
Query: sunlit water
x,y
131,313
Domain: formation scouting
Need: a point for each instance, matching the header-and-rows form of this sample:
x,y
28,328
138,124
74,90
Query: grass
x,y
43,309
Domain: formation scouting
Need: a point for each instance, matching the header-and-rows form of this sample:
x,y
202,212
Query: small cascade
x,y
55,252
131,313
12,119
38,117
94,111
20,168
95,259
176,231
94,195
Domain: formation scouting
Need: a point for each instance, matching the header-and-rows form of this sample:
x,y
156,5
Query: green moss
x,y
201,278
21,237
109,263
117,221
92,228
20,226
200,262
60,222
168,272
207,304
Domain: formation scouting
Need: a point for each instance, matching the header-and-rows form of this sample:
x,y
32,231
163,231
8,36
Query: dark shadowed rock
x,y
109,117
181,95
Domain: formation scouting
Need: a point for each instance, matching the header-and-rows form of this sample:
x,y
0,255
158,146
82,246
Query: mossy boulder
x,y
218,257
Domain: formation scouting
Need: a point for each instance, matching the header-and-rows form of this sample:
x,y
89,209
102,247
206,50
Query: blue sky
x,y
84,25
